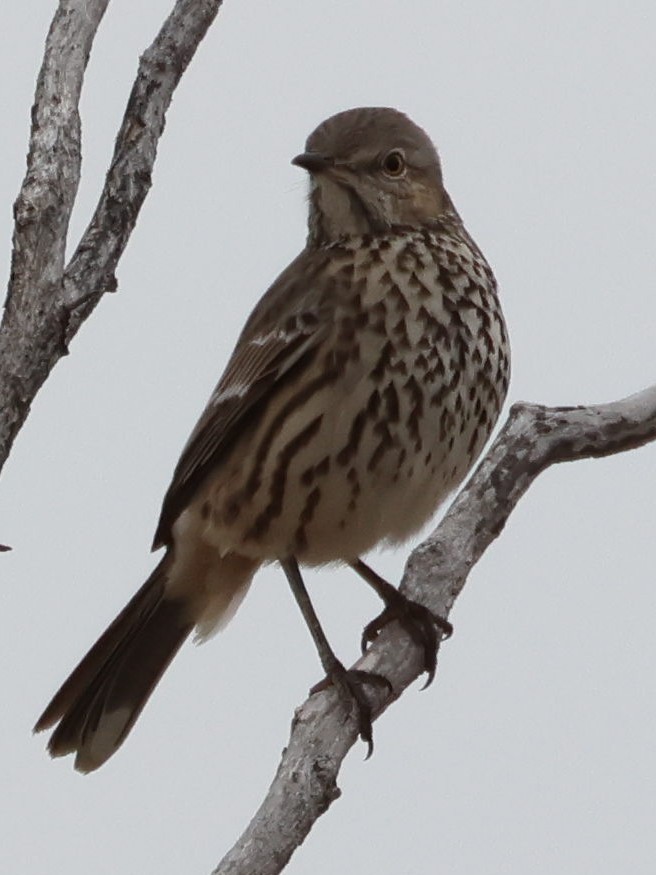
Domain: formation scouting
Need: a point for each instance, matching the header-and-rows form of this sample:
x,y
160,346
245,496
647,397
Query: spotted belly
x,y
362,462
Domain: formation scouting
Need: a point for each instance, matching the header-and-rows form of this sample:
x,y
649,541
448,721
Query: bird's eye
x,y
394,163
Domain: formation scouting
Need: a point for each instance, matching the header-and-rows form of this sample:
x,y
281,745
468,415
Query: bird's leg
x,y
421,624
348,682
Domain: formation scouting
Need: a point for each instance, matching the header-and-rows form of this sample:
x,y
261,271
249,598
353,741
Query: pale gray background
x,y
535,750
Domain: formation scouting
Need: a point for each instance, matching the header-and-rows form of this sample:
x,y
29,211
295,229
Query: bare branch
x,y
532,439
91,270
47,303
29,346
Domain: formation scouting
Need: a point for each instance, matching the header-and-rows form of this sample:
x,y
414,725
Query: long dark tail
x,y
96,707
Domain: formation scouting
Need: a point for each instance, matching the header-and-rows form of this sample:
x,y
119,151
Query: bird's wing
x,y
284,329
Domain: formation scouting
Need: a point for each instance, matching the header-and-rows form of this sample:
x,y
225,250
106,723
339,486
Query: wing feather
x,y
272,344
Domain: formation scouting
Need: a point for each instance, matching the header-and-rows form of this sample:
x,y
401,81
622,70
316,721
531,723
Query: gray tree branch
x,y
532,439
47,301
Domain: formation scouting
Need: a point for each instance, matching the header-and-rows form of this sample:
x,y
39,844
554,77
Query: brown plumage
x,y
360,392
124,665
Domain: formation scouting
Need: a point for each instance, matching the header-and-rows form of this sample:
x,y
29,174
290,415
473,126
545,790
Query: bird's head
x,y
371,169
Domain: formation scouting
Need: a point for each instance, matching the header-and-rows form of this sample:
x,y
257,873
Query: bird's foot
x,y
426,628
350,685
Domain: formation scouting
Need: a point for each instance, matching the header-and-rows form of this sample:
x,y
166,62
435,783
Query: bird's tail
x,y
98,704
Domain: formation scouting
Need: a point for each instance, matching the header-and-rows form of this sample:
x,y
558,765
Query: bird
x,y
360,392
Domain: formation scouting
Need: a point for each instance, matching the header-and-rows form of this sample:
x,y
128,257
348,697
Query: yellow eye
x,y
394,163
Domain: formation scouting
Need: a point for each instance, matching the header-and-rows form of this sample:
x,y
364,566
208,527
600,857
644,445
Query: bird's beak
x,y
314,162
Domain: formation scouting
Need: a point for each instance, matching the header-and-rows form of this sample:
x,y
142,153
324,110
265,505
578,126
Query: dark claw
x,y
350,683
419,622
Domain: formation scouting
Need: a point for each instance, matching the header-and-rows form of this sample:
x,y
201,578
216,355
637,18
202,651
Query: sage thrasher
x,y
360,392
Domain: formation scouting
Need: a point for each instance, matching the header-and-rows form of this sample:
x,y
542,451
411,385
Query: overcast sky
x,y
534,751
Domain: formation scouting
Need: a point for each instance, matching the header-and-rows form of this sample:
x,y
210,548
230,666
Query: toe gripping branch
x,y
426,628
349,683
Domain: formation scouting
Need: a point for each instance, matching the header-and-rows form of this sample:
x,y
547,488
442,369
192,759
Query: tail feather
x,y
97,705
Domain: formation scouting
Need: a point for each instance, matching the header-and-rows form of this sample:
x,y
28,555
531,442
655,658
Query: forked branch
x,y
46,300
